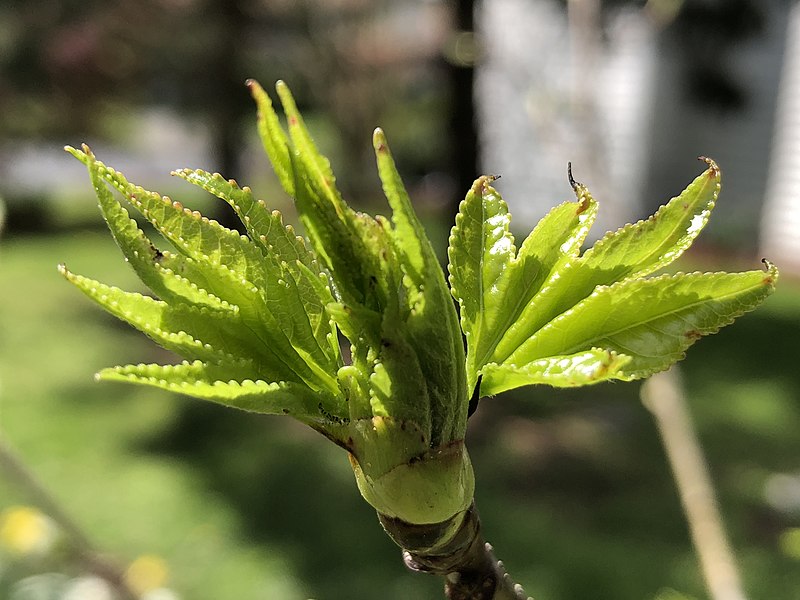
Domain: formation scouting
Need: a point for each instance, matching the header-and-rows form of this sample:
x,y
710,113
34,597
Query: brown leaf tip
x,y
481,185
574,184
772,272
713,169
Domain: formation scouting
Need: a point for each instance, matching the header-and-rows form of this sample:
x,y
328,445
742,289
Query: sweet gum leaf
x,y
410,239
481,248
192,234
398,387
546,253
370,260
213,277
334,236
314,289
288,262
289,325
190,331
259,317
640,249
319,167
234,274
546,314
351,244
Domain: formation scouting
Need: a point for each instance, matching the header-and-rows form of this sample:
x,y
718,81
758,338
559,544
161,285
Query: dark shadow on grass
x,y
293,490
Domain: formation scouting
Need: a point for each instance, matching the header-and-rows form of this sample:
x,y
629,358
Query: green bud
x,y
258,317
422,489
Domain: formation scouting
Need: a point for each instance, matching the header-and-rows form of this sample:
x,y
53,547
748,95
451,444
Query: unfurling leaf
x,y
548,315
493,283
258,318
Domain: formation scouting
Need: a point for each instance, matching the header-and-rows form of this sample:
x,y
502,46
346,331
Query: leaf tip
x,y
573,184
772,272
482,184
713,169
84,155
379,141
256,91
580,190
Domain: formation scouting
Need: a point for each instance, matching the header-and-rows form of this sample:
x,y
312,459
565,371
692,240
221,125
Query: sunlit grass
x,y
80,438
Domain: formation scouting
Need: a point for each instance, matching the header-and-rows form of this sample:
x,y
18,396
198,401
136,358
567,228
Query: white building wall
x,y
537,112
780,226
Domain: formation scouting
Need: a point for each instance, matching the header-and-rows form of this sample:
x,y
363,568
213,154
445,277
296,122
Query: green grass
x,y
573,487
81,438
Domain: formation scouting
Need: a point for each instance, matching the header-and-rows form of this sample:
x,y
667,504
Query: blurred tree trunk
x,y
463,127
227,100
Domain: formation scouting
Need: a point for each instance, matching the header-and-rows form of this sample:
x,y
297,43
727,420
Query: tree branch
x,y
663,396
455,550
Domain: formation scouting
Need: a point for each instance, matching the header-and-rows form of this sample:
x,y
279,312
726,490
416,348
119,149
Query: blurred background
x,y
193,501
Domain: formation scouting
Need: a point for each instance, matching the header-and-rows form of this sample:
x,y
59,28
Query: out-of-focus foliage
x,y
63,64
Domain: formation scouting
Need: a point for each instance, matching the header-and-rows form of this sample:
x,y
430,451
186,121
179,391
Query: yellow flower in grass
x,y
147,573
25,530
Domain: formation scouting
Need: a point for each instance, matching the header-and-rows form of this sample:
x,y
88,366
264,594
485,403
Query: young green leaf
x,y
259,316
409,236
214,382
632,251
481,248
432,324
494,283
265,227
397,384
653,321
160,271
193,235
192,332
546,315
640,249
581,368
317,166
273,137
291,270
